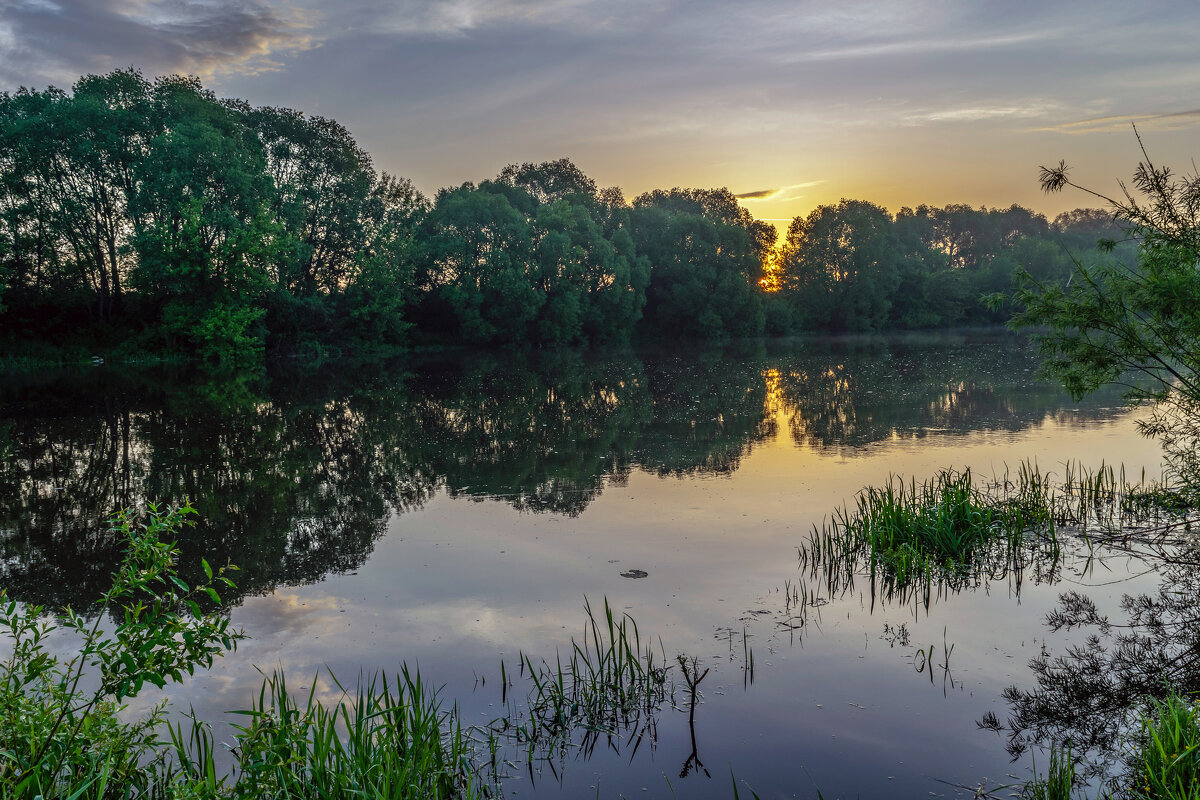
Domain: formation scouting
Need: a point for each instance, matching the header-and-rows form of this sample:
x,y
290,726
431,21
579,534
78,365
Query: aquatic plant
x,y
915,532
611,683
954,530
1059,780
62,733
1167,765
384,739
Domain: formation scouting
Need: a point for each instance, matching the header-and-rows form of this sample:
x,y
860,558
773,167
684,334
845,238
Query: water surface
x,y
449,511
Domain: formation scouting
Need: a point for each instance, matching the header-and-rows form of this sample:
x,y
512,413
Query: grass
x,y
385,739
610,684
1059,780
913,532
1167,765
953,527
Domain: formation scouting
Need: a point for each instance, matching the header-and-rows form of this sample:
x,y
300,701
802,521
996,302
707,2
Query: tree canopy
x,y
151,215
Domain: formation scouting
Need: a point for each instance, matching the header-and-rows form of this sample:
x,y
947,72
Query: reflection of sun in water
x,y
774,404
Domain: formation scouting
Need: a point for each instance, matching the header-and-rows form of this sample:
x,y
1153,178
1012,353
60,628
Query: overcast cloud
x,y
927,101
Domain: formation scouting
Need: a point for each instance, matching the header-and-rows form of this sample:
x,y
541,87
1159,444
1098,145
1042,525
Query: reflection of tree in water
x,y
854,392
1088,695
294,477
543,435
708,410
295,473
288,491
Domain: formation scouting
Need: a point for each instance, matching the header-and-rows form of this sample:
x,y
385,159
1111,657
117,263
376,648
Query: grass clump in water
x,y
383,740
1058,781
915,530
611,683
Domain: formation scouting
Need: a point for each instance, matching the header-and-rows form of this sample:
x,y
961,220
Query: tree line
x,y
151,215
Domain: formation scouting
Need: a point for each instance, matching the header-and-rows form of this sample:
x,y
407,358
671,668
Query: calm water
x,y
451,511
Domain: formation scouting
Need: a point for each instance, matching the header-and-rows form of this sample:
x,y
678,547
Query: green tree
x,y
380,282
474,273
67,176
840,266
1113,320
207,241
706,255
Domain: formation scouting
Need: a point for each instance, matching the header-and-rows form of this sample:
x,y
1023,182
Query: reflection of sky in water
x,y
460,582
458,585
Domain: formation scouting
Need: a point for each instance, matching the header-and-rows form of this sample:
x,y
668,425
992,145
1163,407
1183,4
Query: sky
x,y
789,104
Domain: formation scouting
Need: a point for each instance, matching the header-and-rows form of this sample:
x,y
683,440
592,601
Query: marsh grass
x,y
385,738
1167,763
609,688
955,529
907,533
1059,780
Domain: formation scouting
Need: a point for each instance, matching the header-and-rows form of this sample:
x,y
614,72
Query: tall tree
x,y
207,239
840,265
68,163
706,256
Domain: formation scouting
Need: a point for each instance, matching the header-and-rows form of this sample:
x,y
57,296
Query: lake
x,y
453,510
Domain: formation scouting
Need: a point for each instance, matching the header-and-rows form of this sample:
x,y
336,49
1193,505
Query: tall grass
x,y
385,739
1059,780
611,684
1167,765
906,532
908,537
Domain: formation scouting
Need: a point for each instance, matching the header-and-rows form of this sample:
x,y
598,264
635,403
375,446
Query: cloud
x,y
761,194
790,192
1027,109
1168,121
459,17
924,47
45,40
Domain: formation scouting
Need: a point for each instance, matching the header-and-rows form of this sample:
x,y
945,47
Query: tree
x,y
208,239
706,255
323,187
474,271
1136,324
68,164
839,265
536,256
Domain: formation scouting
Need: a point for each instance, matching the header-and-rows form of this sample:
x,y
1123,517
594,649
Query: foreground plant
x,y
610,684
61,731
1136,325
383,740
1058,781
1167,766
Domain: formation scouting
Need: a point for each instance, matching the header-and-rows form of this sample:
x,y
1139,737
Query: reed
x,y
385,739
952,529
1167,765
912,531
1059,780
611,683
